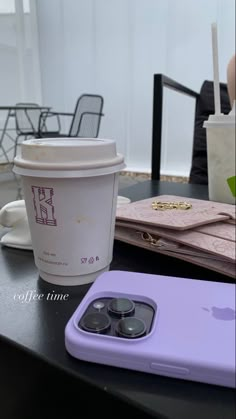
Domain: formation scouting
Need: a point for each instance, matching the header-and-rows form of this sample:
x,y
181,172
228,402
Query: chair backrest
x,y
205,107
87,116
27,118
161,82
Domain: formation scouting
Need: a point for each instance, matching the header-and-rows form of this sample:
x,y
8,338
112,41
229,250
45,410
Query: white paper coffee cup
x,y
70,189
220,132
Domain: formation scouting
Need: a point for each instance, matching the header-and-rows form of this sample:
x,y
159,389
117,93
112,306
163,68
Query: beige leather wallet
x,y
200,232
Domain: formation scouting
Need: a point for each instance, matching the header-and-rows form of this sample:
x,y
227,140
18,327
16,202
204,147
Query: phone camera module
x,y
121,307
131,328
95,323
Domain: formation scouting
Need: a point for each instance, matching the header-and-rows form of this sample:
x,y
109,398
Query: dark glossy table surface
x,y
35,367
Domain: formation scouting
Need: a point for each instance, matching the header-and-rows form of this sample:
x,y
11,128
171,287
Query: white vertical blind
x,y
113,47
20,79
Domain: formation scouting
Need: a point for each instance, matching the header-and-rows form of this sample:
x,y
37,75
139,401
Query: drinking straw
x,y
215,69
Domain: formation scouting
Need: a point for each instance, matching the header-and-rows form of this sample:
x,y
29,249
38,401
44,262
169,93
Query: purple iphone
x,y
176,327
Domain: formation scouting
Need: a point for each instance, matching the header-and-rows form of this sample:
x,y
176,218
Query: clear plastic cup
x,y
70,188
220,131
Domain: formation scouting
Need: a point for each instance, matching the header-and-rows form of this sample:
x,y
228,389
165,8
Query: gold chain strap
x,y
162,206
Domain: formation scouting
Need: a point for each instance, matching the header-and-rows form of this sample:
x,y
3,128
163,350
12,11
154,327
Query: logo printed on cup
x,y
43,205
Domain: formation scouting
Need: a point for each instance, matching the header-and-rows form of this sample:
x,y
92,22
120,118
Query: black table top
x,y
32,340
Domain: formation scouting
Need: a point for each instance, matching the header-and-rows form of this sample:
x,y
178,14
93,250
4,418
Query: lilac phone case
x,y
193,331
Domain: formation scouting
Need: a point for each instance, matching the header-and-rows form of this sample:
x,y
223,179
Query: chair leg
x,y
5,154
16,144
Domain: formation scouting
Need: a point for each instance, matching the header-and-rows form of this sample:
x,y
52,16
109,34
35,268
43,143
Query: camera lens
x,y
131,328
95,322
121,307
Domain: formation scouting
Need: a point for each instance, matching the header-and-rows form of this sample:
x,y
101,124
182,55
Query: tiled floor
x,y
128,179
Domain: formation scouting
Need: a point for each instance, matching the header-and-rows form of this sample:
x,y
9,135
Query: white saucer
x,y
122,200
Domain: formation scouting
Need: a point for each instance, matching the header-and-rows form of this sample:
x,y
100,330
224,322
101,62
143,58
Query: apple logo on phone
x,y
222,313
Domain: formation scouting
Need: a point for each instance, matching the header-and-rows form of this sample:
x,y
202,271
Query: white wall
x,y
113,48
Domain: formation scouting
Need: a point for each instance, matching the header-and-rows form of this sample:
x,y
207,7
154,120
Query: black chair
x,y
203,108
31,122
86,118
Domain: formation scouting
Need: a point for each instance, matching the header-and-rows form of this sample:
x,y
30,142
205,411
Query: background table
x,y
35,367
11,109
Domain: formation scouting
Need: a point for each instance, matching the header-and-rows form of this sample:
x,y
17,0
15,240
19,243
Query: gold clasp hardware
x,y
162,206
148,238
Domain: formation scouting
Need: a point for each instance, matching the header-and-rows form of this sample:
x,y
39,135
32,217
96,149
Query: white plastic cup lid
x,y
221,120
68,154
